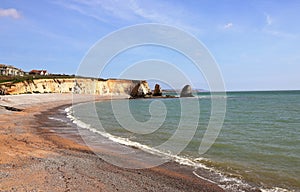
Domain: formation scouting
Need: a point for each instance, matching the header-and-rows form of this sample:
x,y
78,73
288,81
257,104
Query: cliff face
x,y
133,88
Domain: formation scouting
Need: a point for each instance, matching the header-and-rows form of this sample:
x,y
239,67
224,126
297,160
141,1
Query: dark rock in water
x,y
157,90
186,91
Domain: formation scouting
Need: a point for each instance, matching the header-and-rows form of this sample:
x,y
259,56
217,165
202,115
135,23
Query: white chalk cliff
x,y
133,88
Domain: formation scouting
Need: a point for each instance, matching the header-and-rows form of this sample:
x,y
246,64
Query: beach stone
x,y
186,91
157,90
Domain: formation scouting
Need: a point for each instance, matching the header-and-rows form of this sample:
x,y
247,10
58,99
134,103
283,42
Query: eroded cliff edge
x,y
132,88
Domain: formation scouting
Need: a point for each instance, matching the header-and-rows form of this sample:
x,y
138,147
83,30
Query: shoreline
x,y
40,159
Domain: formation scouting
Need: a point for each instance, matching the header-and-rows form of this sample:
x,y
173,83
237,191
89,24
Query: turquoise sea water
x,y
259,142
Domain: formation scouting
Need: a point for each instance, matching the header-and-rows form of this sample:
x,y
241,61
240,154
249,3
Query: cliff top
x,y
16,79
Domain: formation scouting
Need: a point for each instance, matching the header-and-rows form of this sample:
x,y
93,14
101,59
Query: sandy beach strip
x,y
35,159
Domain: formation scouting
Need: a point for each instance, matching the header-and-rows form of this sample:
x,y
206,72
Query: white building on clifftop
x,y
9,70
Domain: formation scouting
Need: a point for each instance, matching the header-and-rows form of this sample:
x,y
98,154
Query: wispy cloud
x,y
131,12
83,7
10,13
280,34
269,19
150,15
228,26
273,30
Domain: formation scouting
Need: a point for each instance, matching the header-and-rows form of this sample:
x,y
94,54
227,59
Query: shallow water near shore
x,y
258,144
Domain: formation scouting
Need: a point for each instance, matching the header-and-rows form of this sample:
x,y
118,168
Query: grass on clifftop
x,y
17,79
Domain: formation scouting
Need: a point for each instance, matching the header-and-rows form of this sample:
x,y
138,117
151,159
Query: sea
x,y
257,145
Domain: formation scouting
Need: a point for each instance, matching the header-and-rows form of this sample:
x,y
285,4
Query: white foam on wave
x,y
276,189
56,119
226,182
194,172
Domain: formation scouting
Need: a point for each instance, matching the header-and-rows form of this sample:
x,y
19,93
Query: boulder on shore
x,y
186,91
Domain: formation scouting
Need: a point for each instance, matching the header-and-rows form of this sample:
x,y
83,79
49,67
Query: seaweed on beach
x,y
10,108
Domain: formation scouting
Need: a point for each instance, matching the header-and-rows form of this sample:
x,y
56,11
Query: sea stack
x,y
186,91
157,90
140,90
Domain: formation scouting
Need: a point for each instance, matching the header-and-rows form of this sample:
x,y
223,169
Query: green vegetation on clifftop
x,y
17,79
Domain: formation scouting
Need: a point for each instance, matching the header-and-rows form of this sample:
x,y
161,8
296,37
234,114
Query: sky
x,y
256,44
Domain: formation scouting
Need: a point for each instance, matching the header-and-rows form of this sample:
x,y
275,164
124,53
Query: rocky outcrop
x,y
186,91
157,90
140,90
79,86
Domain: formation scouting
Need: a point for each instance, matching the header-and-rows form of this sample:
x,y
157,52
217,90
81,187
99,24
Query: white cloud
x,y
150,15
131,12
228,26
10,13
269,20
280,34
270,29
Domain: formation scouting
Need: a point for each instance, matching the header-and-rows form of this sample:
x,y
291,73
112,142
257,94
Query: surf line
x,y
194,172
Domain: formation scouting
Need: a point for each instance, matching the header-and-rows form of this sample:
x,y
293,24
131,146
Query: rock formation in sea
x,y
140,90
157,90
186,91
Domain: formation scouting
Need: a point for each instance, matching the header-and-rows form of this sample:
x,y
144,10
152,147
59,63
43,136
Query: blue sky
x,y
255,43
